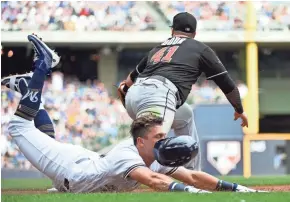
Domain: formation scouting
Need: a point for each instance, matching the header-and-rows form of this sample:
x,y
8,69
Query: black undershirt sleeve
x,y
139,68
226,84
215,70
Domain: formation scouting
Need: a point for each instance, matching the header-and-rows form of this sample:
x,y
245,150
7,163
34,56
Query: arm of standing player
x,y
134,74
215,70
202,180
160,181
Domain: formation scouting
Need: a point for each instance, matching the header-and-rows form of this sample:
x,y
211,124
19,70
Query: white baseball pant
x,y
54,159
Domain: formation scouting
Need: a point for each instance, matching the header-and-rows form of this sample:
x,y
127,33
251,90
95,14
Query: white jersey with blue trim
x,y
111,172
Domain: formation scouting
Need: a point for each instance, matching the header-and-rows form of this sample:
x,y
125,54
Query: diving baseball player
x,y
163,79
78,170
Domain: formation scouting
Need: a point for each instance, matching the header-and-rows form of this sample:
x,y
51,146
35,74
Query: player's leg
x,y
184,124
151,96
56,160
19,83
41,150
166,114
43,122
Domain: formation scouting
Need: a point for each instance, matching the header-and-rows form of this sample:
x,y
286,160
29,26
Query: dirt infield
x,y
273,188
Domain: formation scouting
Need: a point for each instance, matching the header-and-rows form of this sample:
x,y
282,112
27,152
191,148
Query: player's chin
x,y
150,153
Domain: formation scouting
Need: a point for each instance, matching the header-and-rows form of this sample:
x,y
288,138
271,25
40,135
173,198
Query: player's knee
x,y
186,111
12,128
17,124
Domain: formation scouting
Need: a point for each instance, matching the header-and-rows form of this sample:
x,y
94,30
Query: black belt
x,y
66,184
163,79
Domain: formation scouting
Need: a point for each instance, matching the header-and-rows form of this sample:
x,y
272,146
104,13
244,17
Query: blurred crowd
x,y
83,114
74,15
207,92
134,16
273,15
217,15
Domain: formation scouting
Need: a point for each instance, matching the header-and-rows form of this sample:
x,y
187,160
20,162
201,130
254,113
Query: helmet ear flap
x,y
175,151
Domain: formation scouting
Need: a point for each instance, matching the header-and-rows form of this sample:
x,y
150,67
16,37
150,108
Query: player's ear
x,y
140,141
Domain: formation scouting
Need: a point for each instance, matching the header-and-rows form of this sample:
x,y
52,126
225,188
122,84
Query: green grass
x,y
156,197
45,183
139,197
259,180
25,183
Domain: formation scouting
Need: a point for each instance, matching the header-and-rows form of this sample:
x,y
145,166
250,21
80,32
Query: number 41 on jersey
x,y
164,54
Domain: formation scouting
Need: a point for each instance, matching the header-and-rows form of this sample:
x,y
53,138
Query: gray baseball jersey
x,y
111,172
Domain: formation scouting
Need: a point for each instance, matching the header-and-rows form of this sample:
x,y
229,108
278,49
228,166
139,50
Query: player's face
x,y
156,133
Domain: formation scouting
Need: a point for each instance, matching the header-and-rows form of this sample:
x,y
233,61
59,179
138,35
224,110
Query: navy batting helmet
x,y
175,151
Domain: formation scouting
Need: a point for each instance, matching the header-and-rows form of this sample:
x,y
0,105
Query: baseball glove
x,y
121,93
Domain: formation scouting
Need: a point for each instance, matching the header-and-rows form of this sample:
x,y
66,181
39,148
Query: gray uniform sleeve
x,y
158,168
127,161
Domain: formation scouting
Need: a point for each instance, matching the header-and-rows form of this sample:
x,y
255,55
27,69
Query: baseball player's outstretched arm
x,y
151,179
215,70
160,181
202,180
197,179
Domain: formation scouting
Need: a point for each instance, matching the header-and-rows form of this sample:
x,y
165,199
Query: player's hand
x,y
242,116
244,189
192,189
121,87
121,94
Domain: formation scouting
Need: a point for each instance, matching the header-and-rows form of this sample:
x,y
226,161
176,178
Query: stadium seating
x,y
132,16
74,16
229,15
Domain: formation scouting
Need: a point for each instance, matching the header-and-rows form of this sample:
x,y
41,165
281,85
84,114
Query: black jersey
x,y
181,60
